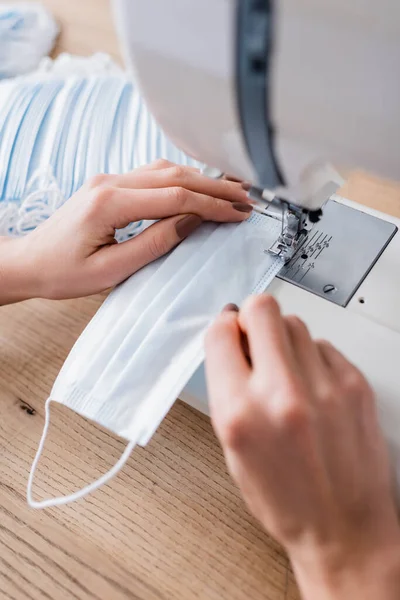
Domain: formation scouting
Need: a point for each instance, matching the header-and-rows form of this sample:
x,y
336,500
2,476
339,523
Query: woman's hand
x,y
74,252
300,434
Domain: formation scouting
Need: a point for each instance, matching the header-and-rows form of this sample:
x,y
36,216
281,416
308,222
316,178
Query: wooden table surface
x,y
171,525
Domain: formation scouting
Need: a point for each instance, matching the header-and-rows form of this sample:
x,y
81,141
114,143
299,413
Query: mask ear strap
x,y
84,491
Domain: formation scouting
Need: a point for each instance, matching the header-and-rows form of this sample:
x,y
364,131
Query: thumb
x,y
118,262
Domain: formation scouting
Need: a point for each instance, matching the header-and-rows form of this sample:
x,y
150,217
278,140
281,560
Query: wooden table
x,y
172,525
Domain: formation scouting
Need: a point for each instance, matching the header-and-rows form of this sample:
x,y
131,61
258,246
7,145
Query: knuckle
x,y
296,324
234,431
289,404
217,209
161,163
327,395
216,204
177,173
324,345
97,181
353,383
291,414
101,196
178,196
157,246
262,302
260,388
277,390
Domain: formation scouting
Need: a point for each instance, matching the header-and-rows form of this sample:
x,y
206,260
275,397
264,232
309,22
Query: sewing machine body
x,y
327,88
366,330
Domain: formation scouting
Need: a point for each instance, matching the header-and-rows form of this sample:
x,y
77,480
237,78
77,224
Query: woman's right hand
x,y
299,429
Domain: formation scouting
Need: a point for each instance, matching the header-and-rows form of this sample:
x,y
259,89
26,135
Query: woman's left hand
x,y
74,253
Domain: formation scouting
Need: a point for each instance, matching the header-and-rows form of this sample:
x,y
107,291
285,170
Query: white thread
x,y
270,274
275,263
84,491
8,217
43,197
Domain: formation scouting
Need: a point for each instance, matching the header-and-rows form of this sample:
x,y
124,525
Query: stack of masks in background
x,y
69,120
27,33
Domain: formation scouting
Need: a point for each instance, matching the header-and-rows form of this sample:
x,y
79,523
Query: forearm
x,y
375,578
17,276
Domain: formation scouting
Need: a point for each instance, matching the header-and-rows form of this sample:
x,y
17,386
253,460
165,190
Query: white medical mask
x,y
146,341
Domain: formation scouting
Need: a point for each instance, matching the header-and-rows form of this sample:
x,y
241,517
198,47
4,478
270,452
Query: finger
x,y
234,179
116,263
332,357
133,179
347,421
184,177
227,369
126,206
245,185
231,308
269,344
311,365
347,377
243,336
156,165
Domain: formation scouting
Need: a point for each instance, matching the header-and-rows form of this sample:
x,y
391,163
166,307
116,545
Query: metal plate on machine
x,y
338,253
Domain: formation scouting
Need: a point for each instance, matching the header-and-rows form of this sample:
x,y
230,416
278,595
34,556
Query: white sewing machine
x,y
262,90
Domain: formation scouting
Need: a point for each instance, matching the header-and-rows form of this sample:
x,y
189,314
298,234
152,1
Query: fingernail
x,y
231,308
187,225
242,207
233,179
246,186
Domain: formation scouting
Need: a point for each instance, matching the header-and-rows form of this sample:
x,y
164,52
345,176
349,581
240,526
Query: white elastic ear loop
x,y
84,491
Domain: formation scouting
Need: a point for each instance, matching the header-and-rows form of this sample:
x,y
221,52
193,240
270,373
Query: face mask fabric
x,y
146,341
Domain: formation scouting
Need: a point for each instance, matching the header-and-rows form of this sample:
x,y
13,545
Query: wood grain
x,y
171,525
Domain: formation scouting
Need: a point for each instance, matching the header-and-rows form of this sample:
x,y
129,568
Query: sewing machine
x,y
267,91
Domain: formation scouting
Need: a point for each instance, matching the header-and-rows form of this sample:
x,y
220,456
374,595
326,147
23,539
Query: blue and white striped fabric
x,y
56,133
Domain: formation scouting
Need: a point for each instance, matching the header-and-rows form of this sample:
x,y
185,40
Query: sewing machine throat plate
x,y
338,253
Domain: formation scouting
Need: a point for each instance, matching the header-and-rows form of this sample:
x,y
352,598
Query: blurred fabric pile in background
x,y
69,119
27,33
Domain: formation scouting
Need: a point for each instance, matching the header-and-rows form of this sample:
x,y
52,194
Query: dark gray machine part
x,y
253,76
338,253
